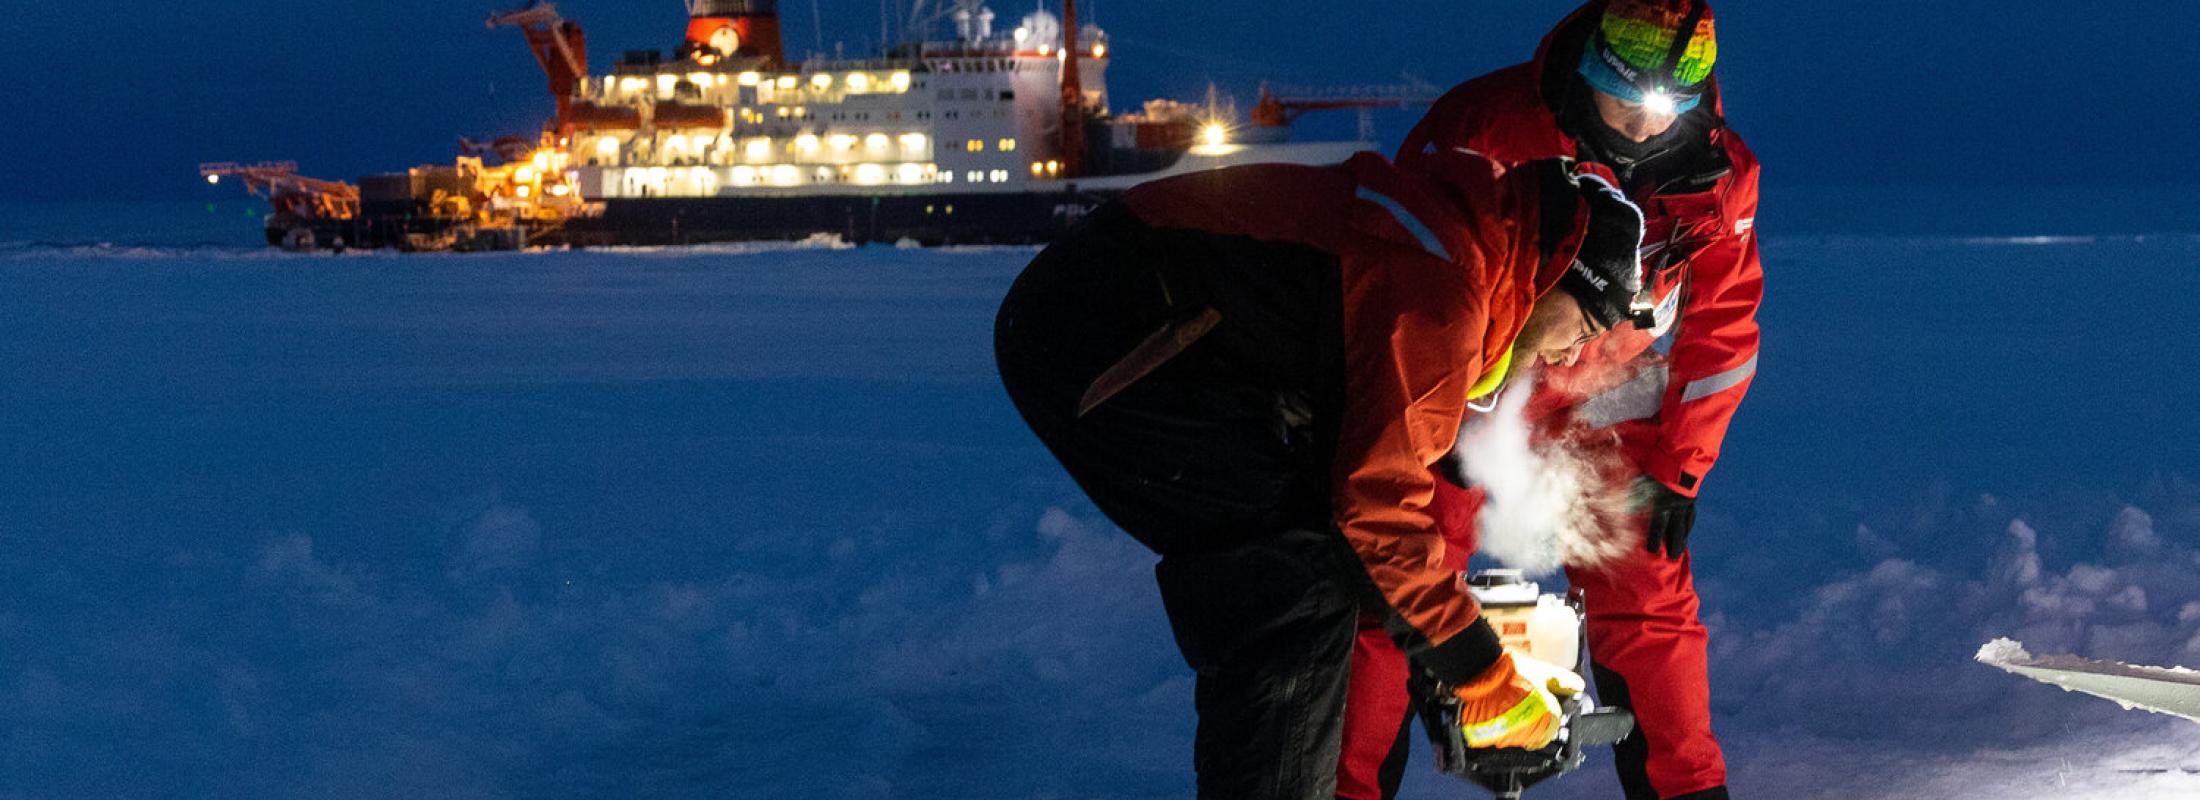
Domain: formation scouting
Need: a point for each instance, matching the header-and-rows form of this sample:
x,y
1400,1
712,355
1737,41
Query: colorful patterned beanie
x,y
1638,48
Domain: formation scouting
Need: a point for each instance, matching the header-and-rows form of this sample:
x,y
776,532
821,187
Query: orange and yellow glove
x,y
1515,703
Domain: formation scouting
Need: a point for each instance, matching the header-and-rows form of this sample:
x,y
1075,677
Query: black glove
x,y
1672,514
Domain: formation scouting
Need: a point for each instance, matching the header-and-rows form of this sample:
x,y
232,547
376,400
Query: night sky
x,y
122,100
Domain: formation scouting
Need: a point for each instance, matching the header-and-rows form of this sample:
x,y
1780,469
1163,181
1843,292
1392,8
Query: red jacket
x,y
1699,239
1438,272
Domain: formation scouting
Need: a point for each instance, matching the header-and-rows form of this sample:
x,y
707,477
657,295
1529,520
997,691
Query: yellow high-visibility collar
x,y
1493,378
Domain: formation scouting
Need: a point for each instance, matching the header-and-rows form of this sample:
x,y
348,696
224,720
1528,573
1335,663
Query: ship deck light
x,y
213,179
750,78
1214,134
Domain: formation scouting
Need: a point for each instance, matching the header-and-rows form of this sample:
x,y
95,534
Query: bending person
x,y
1252,370
1626,84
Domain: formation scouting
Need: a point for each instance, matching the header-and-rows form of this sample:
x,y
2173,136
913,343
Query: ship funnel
x,y
723,29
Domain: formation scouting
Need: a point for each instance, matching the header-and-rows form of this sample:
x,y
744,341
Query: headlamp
x,y
1660,103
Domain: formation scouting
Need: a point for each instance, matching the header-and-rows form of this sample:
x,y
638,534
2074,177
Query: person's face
x,y
1556,330
1635,121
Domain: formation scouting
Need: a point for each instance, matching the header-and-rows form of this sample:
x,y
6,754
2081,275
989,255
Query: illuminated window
x,y
821,81
974,145
975,176
1008,145
1000,176
841,142
859,82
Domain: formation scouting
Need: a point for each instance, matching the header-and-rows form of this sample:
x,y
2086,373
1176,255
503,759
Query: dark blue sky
x,y
118,100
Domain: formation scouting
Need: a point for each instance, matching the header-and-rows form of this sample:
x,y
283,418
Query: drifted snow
x,y
758,522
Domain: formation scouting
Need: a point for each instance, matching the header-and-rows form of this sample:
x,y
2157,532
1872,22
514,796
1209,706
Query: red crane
x,y
289,192
558,45
1281,106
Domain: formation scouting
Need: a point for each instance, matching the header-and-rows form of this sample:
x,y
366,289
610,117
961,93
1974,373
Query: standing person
x,y
1252,370
1626,84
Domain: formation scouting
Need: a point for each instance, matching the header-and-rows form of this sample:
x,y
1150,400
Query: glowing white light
x,y
870,174
786,175
1659,103
859,82
759,149
744,176
912,142
1099,51
901,81
213,179
910,173
822,81
560,189
1214,135
786,81
524,175
607,147
806,143
876,143
842,142
750,78
523,190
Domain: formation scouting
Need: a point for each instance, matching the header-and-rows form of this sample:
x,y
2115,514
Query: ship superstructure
x,y
968,131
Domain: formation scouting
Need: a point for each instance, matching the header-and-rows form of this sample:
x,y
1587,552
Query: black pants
x,y
1219,462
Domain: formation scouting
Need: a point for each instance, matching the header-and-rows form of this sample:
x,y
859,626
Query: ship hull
x,y
929,219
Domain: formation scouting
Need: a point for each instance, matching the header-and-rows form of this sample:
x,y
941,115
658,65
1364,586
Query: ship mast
x,y
1073,97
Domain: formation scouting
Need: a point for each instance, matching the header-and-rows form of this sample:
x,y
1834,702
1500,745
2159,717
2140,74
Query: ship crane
x,y
558,45
1280,106
287,191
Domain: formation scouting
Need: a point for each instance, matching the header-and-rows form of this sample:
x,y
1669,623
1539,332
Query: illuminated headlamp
x,y
1660,103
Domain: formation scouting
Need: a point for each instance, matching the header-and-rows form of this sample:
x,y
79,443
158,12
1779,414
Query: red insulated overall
x,y
1644,635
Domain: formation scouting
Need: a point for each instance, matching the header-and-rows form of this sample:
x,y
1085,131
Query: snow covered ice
x,y
758,522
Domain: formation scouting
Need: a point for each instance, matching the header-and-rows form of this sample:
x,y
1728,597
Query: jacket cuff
x,y
1464,656
1657,463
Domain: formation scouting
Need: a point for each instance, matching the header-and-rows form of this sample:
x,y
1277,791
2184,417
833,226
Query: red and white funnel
x,y
725,29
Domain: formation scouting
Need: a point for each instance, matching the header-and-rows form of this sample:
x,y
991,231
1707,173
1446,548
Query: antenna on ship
x,y
1073,96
